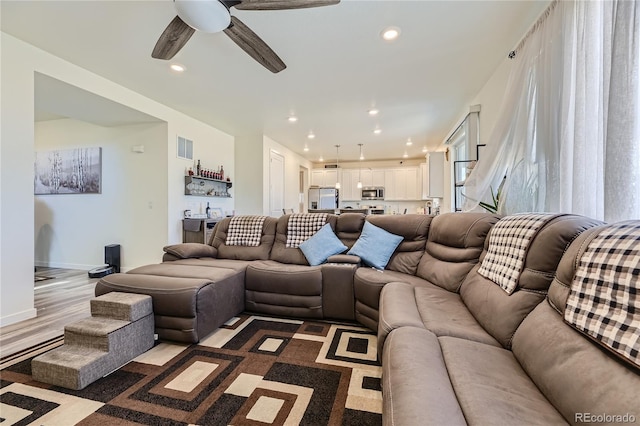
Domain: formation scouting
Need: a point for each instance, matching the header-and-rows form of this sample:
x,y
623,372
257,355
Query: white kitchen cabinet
x,y
349,185
402,184
325,177
433,176
389,185
412,183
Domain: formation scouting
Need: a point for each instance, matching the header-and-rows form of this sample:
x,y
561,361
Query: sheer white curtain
x,y
568,136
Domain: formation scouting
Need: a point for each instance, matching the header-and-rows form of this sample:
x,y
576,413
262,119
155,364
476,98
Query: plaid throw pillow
x,y
302,226
603,301
508,244
245,231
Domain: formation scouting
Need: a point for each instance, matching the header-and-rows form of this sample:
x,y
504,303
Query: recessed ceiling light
x,y
409,143
424,149
390,33
306,148
377,131
321,159
178,67
374,111
292,119
311,135
405,155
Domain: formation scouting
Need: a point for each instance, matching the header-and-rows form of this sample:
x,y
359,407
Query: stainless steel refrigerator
x,y
323,198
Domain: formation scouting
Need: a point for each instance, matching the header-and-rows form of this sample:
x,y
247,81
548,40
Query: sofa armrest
x,y
190,250
344,258
166,257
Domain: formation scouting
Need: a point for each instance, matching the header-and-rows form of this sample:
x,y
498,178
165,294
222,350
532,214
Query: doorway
x,y
276,184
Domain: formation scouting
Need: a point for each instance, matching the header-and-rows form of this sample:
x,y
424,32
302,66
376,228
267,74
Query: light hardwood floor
x,y
58,301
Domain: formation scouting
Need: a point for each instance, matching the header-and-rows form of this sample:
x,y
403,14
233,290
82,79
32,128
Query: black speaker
x,y
112,256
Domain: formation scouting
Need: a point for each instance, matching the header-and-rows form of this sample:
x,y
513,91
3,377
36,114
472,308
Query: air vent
x,y
330,166
185,148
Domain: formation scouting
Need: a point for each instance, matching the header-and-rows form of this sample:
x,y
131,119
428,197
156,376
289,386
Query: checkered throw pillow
x,y
603,301
245,231
508,244
302,226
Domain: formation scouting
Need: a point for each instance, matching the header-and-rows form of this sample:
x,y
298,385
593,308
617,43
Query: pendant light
x,y
360,170
337,168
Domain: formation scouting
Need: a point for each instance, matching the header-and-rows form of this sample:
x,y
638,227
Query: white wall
x,y
490,99
292,164
248,157
19,63
71,230
214,149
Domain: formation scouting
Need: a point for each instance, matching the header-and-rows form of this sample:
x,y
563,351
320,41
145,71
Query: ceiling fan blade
x,y
254,46
172,39
282,4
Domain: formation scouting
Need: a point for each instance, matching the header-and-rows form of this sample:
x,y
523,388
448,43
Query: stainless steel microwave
x,y
372,193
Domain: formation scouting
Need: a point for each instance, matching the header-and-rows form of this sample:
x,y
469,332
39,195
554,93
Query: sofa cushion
x,y
173,269
509,242
427,306
604,300
238,265
321,245
575,372
492,388
367,284
261,252
375,246
500,313
290,255
302,226
348,227
413,228
189,250
416,385
454,245
245,231
280,289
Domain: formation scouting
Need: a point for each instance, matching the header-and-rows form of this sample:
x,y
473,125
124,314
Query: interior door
x,y
276,184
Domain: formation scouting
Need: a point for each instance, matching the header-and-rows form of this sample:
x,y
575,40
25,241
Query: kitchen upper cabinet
x,y
373,177
324,177
432,182
402,184
349,186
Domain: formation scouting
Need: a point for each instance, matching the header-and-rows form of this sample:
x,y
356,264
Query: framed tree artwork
x,y
68,171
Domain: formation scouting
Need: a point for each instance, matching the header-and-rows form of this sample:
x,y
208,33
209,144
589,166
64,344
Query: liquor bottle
x,y
208,211
198,169
221,173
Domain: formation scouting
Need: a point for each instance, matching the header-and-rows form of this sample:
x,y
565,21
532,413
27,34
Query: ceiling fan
x,y
213,16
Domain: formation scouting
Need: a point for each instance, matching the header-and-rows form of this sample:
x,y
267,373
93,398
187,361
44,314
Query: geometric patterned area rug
x,y
254,370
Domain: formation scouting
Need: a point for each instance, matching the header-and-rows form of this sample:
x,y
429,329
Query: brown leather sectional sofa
x,y
455,348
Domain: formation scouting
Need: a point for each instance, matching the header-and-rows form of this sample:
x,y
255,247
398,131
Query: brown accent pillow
x,y
190,250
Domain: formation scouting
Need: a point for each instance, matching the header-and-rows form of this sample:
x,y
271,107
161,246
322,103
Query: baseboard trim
x,y
17,317
79,266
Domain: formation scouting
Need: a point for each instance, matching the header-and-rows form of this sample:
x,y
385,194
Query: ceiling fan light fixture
x,y
209,16
177,67
390,33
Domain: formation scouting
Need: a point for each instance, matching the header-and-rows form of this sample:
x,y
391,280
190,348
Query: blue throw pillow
x,y
321,245
375,246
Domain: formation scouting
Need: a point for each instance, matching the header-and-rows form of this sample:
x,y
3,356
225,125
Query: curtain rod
x,y
543,17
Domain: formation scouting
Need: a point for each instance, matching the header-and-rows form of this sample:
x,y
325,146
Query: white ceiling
x,y
338,67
